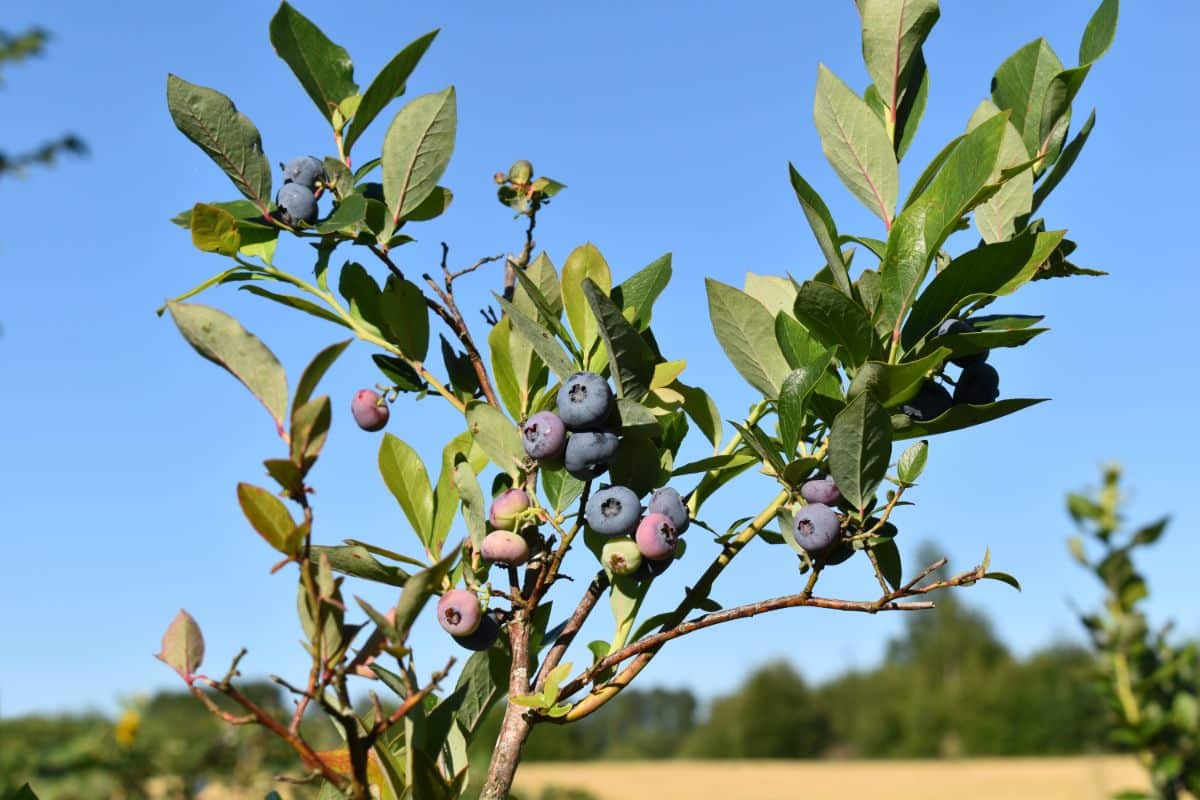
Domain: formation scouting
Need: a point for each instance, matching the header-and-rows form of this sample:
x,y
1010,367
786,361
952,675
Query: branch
x,y
383,724
574,623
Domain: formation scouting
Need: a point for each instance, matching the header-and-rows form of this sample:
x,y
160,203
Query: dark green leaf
x,y
892,34
404,315
761,444
631,360
1020,85
530,300
963,416
350,215
561,489
356,560
211,121
856,144
912,105
887,555
793,396
701,408
387,86
540,339
316,370
892,384
416,150
1003,577
634,417
836,320
1149,534
404,377
1098,36
823,228
182,646
1064,163
362,293
298,303
322,67
642,288
638,465
860,446
962,344
406,478
717,463
902,270
222,340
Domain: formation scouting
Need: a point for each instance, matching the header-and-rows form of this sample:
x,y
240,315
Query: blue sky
x,y
672,124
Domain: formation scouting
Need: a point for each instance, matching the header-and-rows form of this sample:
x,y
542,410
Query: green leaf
x,y
293,301
214,230
420,587
856,144
746,331
1020,86
474,510
242,210
1003,577
1099,33
416,150
892,34
584,262
633,417
887,555
539,284
962,344
702,409
628,354
496,436
1149,534
362,294
836,320
912,105
638,465
860,446
403,313
387,86
776,292
182,646
310,427
991,270
716,463
316,370
1064,163
322,67
357,561
963,416
222,340
996,218
903,269
912,461
823,228
406,478
540,339
269,517
639,291
212,122
792,397
561,488
432,206
481,692
892,384
349,215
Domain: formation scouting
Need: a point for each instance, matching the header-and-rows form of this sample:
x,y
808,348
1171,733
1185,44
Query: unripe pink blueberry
x,y
369,409
656,536
458,612
507,507
621,556
505,547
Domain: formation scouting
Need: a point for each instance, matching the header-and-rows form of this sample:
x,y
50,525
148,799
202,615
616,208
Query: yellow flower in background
x,y
126,728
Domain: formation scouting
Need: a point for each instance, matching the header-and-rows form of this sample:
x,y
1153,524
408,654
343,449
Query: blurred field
x,y
1081,778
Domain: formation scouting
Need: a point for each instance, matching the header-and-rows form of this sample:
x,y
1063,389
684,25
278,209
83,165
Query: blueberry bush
x,y
572,417
1152,683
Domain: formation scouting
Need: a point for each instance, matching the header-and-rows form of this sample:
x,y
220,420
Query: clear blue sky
x,y
672,123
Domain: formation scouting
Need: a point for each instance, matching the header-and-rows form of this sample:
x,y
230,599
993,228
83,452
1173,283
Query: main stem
x,y
514,729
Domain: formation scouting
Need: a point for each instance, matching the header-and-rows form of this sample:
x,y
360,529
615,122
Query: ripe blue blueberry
x,y
931,401
584,401
458,612
544,436
656,537
815,527
613,511
369,410
505,547
667,501
588,454
507,507
297,203
958,326
821,490
484,636
305,171
979,384
621,556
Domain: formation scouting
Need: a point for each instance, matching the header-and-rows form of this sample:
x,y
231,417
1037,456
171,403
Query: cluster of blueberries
x,y
978,384
297,199
815,525
575,436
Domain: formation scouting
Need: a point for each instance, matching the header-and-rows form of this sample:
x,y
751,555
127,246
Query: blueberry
x,y
958,326
667,501
544,436
815,527
656,537
588,454
458,612
305,171
369,410
505,547
979,384
613,511
931,401
297,203
621,556
821,490
507,507
584,401
484,636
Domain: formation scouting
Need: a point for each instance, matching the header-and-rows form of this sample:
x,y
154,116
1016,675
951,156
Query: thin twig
x,y
586,603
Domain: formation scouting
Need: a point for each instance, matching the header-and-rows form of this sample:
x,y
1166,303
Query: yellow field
x,y
1089,778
